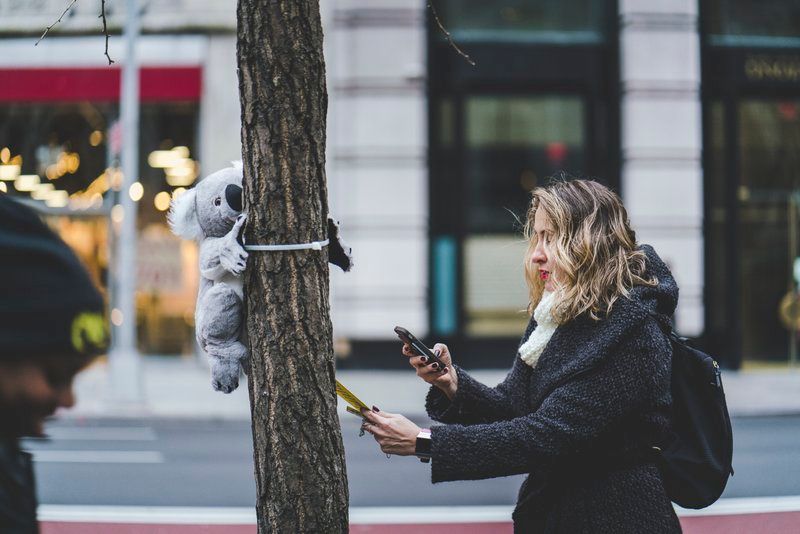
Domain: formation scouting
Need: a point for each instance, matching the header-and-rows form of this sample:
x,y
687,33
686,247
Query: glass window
x,y
446,123
753,22
544,21
50,152
58,156
769,147
166,127
61,144
495,296
512,144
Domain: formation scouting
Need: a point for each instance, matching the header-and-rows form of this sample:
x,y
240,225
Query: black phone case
x,y
407,337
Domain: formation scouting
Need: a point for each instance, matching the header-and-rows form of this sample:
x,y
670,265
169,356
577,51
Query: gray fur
x,y
204,214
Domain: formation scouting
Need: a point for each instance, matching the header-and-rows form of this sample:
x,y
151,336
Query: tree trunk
x,y
299,456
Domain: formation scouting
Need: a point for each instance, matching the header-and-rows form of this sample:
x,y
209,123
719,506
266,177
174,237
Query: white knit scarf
x,y
545,326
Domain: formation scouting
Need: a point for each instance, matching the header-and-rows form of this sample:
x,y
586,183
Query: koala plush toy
x,y
211,214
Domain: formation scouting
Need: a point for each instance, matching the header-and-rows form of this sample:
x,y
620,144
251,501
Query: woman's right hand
x,y
445,379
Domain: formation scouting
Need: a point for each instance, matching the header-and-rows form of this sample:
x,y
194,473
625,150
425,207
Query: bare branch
x,y
72,3
102,16
105,28
447,34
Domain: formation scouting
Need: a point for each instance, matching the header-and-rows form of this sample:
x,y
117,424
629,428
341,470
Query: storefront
x,y
751,102
59,149
542,97
431,159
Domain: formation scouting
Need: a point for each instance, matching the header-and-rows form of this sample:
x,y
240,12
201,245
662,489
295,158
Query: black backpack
x,y
695,461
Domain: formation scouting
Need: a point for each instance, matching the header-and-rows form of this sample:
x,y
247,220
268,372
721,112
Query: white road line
x,y
98,457
363,515
747,505
398,515
169,515
99,434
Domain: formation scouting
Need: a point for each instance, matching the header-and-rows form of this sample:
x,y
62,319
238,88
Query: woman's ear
x,y
183,216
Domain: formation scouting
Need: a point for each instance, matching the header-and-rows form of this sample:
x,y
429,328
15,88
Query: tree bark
x,y
299,456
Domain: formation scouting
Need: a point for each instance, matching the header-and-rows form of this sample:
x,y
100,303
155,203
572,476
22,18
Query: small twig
x,y
56,22
447,34
105,28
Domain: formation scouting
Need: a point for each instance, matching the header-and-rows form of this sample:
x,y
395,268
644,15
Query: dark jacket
x,y
17,492
581,423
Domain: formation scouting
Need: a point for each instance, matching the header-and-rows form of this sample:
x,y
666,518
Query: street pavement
x,y
150,470
180,460
208,463
180,387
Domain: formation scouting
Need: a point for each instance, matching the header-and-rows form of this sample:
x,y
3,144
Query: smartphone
x,y
407,337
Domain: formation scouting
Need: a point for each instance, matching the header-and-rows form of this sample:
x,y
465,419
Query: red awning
x,y
157,84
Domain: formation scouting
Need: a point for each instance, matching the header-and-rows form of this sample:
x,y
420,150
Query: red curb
x,y
51,527
773,522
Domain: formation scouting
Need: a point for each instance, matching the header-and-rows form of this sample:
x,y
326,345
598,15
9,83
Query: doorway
x,y
753,182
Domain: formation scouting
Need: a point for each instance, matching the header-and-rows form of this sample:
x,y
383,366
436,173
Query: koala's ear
x,y
183,216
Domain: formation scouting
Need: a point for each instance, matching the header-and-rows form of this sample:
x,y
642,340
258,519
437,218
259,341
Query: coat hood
x,y
661,299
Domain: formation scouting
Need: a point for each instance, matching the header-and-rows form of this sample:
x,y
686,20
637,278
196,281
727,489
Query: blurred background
x,y
688,108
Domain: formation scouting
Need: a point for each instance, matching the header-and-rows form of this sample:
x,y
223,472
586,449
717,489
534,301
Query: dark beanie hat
x,y
48,304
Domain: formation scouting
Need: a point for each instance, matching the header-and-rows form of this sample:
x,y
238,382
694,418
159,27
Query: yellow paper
x,y
349,398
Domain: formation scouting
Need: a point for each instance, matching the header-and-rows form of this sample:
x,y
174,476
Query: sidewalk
x,y
180,387
777,515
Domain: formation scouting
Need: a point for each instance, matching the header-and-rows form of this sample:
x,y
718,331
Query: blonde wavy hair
x,y
594,249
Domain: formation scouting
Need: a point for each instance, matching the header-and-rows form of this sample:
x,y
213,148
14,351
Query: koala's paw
x,y
233,256
224,374
225,366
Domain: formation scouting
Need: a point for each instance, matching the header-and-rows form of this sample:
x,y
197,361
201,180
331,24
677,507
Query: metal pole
x,y
124,361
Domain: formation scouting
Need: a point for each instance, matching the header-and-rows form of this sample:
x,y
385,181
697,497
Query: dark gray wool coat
x,y
581,423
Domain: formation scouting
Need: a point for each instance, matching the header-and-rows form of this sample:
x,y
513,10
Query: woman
x,y
588,394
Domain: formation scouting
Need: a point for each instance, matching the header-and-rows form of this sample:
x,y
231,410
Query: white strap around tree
x,y
314,245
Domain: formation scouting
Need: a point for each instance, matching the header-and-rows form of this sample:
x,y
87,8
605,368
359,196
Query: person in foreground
x,y
51,326
588,394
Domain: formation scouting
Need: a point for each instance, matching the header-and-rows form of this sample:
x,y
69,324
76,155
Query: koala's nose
x,y
233,195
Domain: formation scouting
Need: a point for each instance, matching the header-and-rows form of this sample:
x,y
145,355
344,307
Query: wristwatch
x,y
423,446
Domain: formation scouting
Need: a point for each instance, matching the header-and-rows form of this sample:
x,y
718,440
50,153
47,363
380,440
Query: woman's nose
x,y
538,255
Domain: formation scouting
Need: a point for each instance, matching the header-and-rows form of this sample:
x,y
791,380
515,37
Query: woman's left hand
x,y
393,432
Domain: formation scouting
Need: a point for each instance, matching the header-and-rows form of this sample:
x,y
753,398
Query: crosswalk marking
x,y
98,434
168,515
98,457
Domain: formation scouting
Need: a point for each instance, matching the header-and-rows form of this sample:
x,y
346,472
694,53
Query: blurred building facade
x,y
61,137
687,108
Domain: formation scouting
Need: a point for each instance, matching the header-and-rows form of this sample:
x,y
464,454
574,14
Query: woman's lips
x,y
544,274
